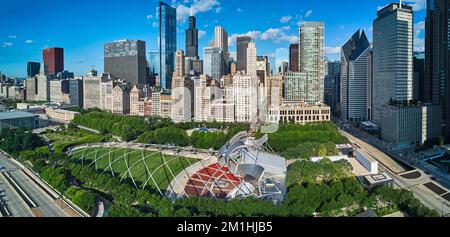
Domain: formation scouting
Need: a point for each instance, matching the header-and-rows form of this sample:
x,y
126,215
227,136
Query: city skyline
x,y
84,36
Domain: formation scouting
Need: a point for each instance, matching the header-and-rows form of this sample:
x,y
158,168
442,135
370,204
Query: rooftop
x,y
15,114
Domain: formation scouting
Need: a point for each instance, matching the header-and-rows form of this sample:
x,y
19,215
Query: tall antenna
x,y
400,4
192,13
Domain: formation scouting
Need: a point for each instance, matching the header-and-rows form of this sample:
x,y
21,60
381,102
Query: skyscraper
x,y
293,57
154,62
212,65
125,59
311,58
437,58
167,44
33,68
241,53
354,78
192,39
54,59
392,69
419,76
221,41
251,58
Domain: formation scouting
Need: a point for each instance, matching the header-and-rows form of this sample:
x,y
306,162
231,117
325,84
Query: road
x,y
13,201
389,166
45,204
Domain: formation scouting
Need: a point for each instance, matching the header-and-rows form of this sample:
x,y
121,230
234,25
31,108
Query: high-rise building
x,y
392,57
167,44
241,53
192,39
33,68
106,95
54,59
311,58
436,88
354,78
121,99
181,91
212,63
251,58
76,92
221,41
293,58
59,91
125,59
419,76
31,88
92,89
43,84
154,62
245,97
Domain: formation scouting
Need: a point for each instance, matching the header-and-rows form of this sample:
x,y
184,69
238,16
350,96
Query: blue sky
x,y
82,27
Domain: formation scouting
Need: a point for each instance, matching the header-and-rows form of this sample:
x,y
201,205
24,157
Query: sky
x,y
82,27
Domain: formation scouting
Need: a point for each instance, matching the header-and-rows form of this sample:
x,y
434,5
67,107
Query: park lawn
x,y
120,157
73,137
297,141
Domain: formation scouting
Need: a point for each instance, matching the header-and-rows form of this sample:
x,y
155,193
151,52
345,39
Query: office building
x,y
212,63
121,99
18,119
419,76
59,91
126,60
300,113
60,115
182,92
221,41
92,89
167,44
251,58
354,78
241,53
192,39
205,91
107,95
76,92
392,57
312,58
245,97
53,58
33,69
43,84
436,88
31,87
293,58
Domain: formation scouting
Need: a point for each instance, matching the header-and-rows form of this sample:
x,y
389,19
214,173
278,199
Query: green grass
x,y
120,157
73,137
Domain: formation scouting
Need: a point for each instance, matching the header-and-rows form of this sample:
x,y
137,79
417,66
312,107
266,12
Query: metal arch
x,y
126,164
170,170
82,158
98,158
138,161
118,159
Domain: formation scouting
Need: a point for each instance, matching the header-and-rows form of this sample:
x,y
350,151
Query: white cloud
x,y
417,5
29,41
332,50
239,10
201,34
285,19
149,17
12,36
198,6
276,35
419,42
7,44
308,13
155,24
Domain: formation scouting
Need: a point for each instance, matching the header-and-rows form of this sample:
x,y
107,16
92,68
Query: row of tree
x,y
14,141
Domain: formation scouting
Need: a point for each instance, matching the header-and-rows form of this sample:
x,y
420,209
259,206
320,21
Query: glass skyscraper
x,y
167,44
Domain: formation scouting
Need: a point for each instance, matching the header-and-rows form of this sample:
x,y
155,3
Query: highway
x,y
389,166
12,200
46,206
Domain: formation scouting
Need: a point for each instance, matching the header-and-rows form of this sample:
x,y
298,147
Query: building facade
x,y
293,58
53,58
167,44
241,54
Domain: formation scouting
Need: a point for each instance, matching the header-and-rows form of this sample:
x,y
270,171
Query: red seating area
x,y
215,176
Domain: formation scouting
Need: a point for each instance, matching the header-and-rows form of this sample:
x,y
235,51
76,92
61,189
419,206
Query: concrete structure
x,y
213,63
205,92
92,89
251,59
137,103
411,125
436,88
31,87
241,53
300,87
311,59
375,180
245,97
43,85
59,91
222,110
367,161
125,59
354,78
167,39
392,69
121,99
106,95
182,92
53,58
60,115
299,113
17,119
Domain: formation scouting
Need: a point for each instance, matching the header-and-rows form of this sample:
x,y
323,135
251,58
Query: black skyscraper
x,y
192,39
33,69
242,45
437,58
